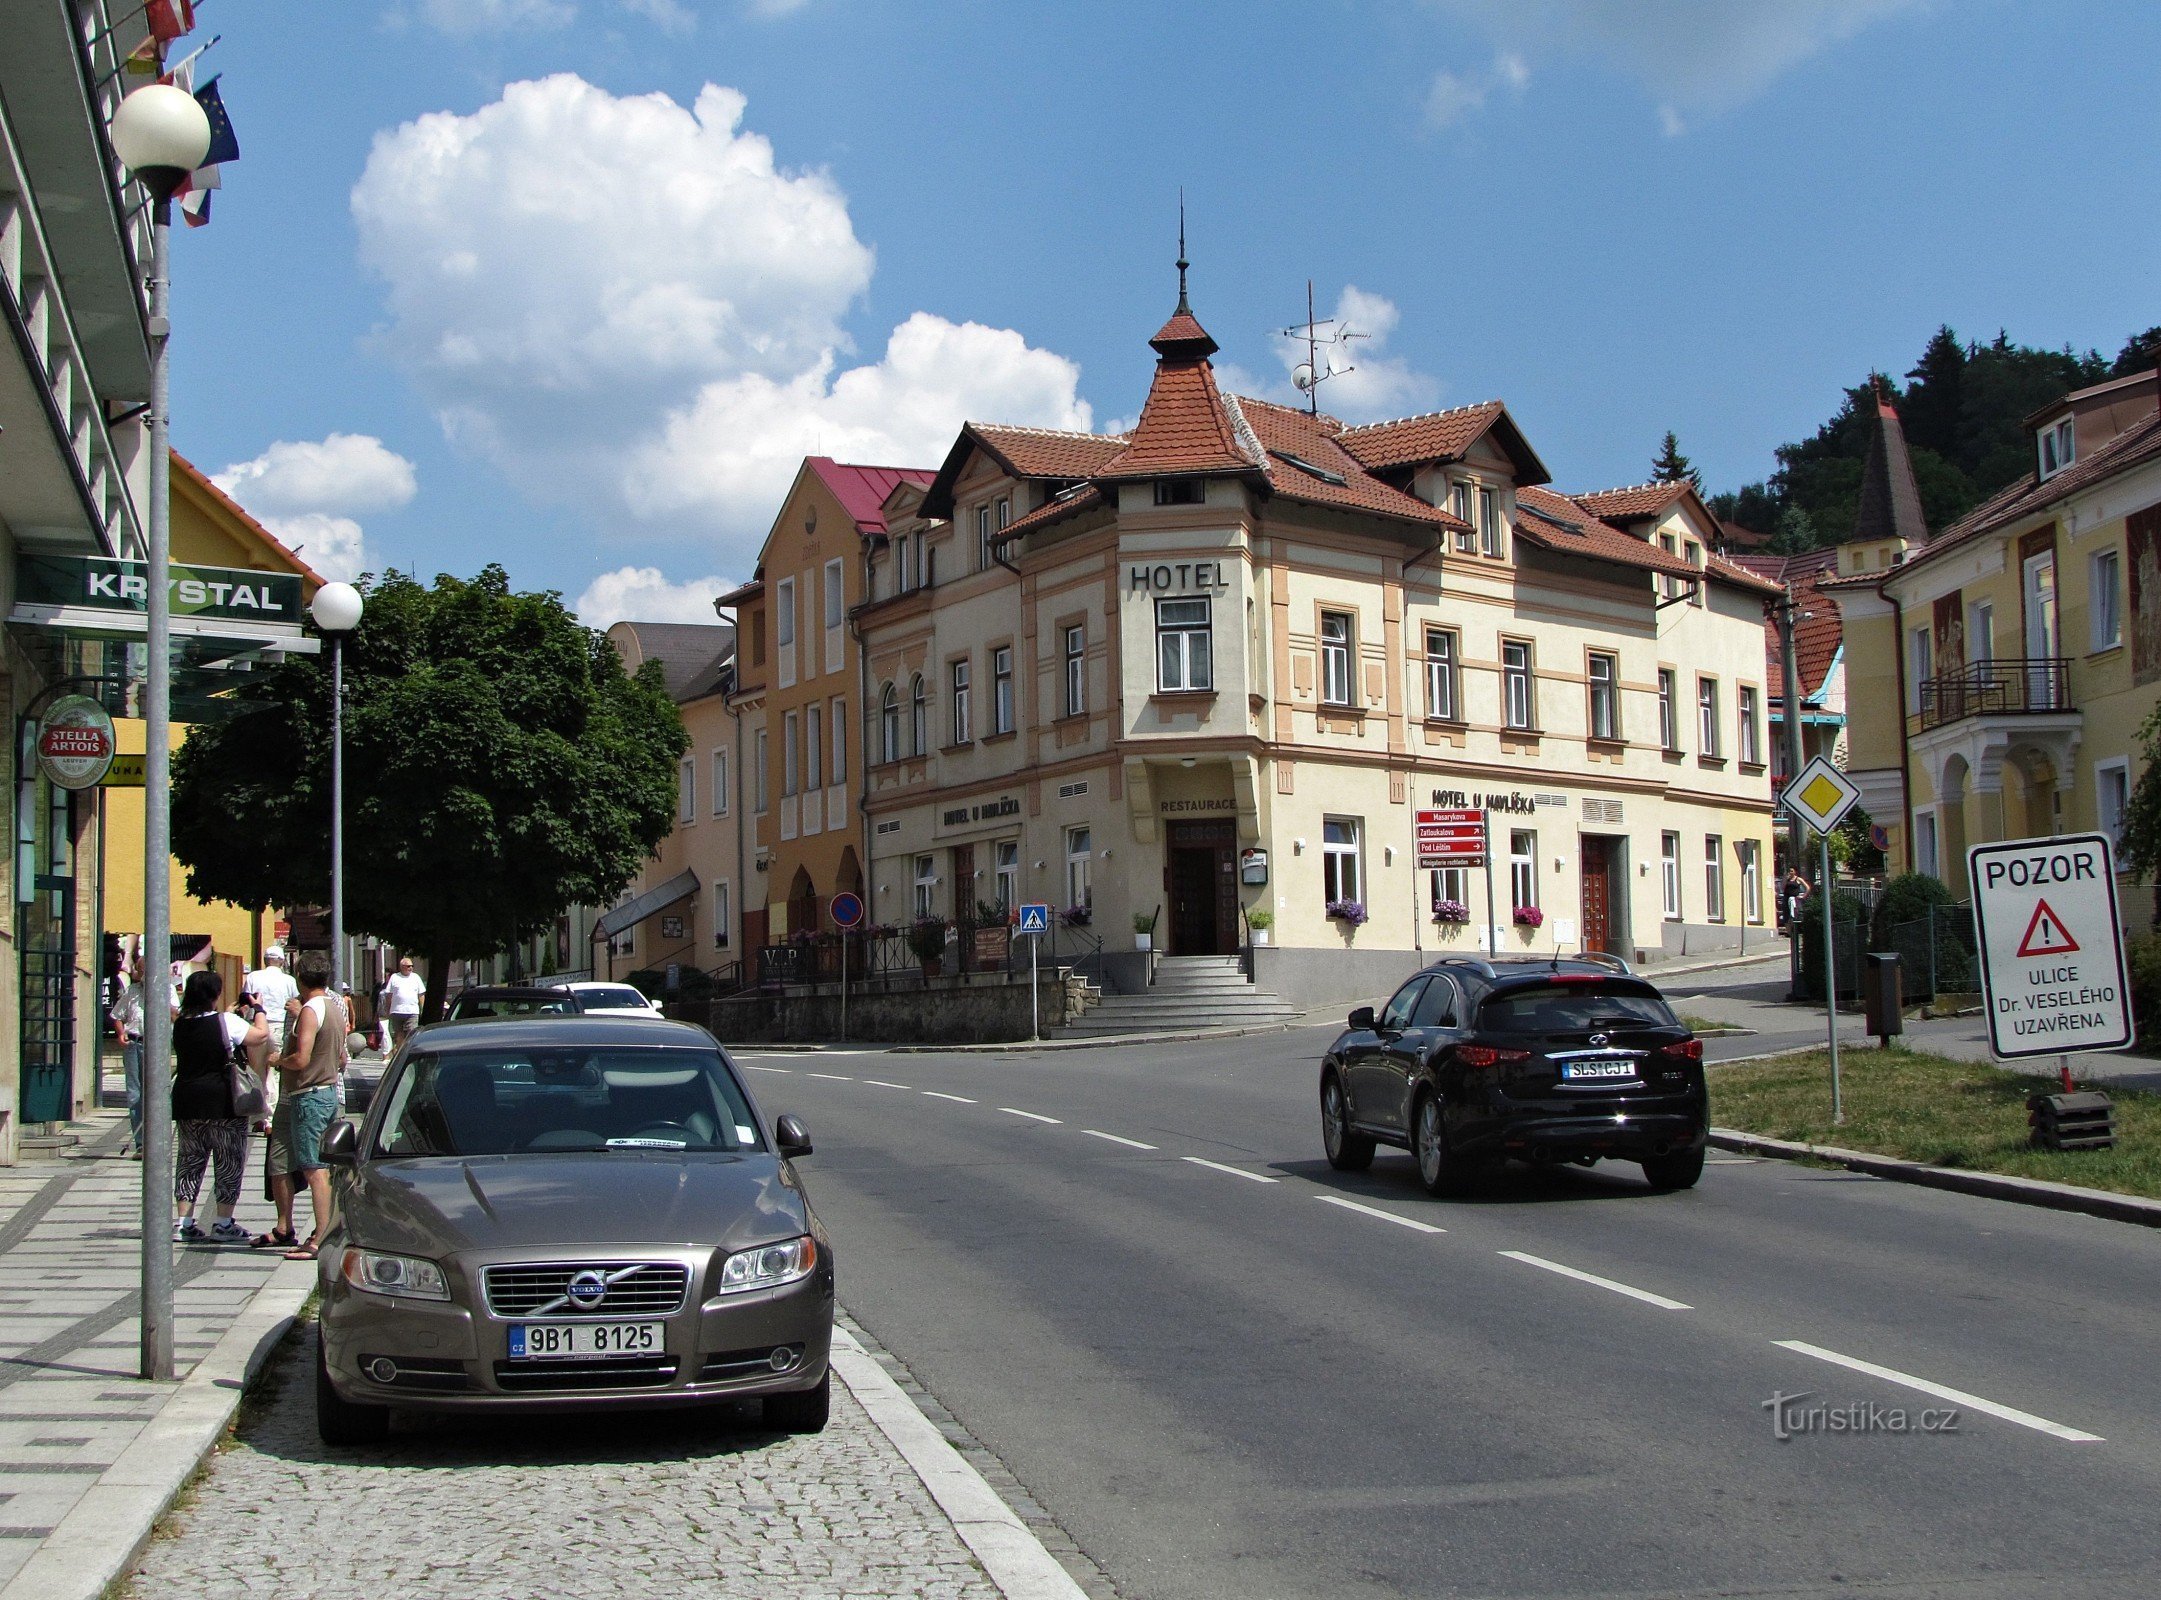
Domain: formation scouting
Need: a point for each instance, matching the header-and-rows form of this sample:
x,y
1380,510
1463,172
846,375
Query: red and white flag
x,y
169,19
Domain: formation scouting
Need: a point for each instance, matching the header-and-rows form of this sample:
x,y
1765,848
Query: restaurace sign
x,y
101,583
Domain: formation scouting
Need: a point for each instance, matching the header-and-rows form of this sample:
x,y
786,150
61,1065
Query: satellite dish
x,y
1302,377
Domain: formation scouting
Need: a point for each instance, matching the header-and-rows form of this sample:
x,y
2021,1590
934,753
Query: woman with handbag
x,y
217,1064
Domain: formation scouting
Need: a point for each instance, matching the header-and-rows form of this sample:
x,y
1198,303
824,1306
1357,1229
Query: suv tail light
x,y
1486,1055
1689,1049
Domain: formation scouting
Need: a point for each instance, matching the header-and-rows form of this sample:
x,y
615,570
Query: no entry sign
x,y
2051,944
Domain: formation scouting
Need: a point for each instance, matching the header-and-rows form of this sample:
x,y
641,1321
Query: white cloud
x,y
303,491
579,281
1693,56
1454,96
670,16
644,594
496,16
776,8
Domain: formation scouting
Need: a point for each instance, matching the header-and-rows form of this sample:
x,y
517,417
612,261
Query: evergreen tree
x,y
1673,467
1933,402
1796,535
2139,354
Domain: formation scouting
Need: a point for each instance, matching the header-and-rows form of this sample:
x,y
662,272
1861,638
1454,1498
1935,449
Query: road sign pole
x,y
1493,937
1830,977
844,985
1035,990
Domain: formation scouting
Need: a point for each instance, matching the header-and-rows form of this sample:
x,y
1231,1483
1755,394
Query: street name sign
x,y
1451,836
1821,795
1035,917
2051,942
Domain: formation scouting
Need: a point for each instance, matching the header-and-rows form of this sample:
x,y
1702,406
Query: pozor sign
x,y
2051,944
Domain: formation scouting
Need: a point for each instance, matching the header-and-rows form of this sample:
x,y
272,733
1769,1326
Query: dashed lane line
x,y
747,1067
1236,1172
1375,1211
958,1099
1630,1290
880,1083
1116,1138
2025,1419
830,1077
1032,1116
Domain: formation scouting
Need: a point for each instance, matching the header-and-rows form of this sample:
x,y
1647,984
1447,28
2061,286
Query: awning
x,y
632,912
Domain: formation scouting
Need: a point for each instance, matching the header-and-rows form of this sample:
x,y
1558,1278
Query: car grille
x,y
636,1372
635,1289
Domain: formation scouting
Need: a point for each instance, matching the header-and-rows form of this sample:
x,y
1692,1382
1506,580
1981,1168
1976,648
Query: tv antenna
x,y
1319,334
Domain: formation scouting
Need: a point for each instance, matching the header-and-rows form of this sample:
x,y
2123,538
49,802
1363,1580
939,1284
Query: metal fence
x,y
1938,953
890,957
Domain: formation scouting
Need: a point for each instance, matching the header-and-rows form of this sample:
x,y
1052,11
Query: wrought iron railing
x,y
2014,686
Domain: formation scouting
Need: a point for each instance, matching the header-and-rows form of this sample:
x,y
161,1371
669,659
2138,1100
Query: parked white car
x,y
612,998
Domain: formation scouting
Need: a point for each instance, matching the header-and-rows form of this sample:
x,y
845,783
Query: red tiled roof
x,y
1434,436
1283,432
1742,577
1183,337
201,480
1070,504
1581,534
1047,452
861,491
1183,428
1818,632
1636,500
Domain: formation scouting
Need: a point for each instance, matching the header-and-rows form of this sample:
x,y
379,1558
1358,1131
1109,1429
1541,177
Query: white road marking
x,y
1633,1293
2025,1419
880,1083
1732,1161
1236,1172
1375,1211
1116,1138
959,1098
1032,1116
747,1067
832,1077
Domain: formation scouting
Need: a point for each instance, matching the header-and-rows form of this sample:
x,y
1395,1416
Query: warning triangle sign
x,y
2046,935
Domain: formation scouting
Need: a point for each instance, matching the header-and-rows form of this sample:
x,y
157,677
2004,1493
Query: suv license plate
x,y
537,1341
1597,1071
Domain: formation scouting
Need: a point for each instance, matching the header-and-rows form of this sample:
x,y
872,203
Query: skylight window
x,y
1309,468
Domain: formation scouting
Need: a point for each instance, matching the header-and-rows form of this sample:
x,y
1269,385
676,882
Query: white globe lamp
x,y
161,135
336,608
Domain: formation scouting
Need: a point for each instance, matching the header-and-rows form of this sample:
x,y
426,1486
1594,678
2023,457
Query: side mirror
x,y
341,1144
1362,1019
793,1139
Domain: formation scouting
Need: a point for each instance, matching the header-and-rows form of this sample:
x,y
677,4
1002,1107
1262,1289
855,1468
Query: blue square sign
x,y
1035,918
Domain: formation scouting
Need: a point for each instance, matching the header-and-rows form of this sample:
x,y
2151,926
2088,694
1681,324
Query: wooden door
x,y
1597,893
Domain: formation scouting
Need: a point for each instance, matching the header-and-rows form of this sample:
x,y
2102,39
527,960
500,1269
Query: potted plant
x,y
1260,919
1076,916
1144,931
1349,912
926,938
1446,911
1529,917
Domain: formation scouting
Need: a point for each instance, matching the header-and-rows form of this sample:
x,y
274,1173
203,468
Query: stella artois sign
x,y
75,742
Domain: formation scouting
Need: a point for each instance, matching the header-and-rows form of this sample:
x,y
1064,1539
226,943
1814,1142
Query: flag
x,y
195,208
169,19
224,145
143,60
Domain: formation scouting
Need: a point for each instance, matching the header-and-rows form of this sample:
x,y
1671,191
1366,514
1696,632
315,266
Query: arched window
x,y
889,725
919,717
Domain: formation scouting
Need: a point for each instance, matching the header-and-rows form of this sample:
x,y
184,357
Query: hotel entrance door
x,y
1200,871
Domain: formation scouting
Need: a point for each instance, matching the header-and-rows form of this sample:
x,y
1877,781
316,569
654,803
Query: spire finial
x,y
1182,262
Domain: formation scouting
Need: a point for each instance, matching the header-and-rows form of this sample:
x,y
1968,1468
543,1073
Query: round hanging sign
x,y
75,742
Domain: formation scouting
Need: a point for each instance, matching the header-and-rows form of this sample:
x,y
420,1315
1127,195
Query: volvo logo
x,y
1596,1038
588,1289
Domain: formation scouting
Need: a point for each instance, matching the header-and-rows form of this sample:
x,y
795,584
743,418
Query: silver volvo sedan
x,y
568,1213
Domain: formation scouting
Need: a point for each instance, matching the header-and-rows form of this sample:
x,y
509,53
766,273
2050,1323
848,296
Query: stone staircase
x,y
1190,992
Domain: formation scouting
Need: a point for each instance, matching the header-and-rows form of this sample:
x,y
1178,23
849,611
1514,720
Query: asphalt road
x,y
1229,1371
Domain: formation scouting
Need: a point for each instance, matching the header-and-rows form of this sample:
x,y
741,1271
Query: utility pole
x,y
1784,613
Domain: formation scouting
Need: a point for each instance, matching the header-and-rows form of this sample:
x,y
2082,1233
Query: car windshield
x,y
467,1007
485,1102
614,997
1573,1007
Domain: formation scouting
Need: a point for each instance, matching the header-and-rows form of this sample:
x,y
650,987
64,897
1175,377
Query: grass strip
x,y
1932,1109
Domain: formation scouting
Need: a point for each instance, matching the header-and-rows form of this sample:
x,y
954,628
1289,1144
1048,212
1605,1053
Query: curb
x,y
1990,1185
1102,1039
98,1539
1006,1546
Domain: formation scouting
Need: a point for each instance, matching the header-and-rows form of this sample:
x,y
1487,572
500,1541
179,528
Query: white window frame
x,y
1522,867
1669,874
813,747
2111,793
838,772
784,613
723,913
1337,652
1460,493
957,673
686,791
1001,688
720,783
1708,716
2104,597
1750,854
762,770
790,735
1444,649
1927,842
1751,724
1714,877
982,537
1604,689
2058,444
1448,883
836,594
1074,637
1669,709
925,886
1005,868
1920,666
918,716
1342,859
889,724
1185,653
1489,520
1079,877
1694,557
1519,686
903,564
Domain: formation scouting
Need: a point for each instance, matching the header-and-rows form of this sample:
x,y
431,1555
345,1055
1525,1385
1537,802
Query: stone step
x,y
1203,983
1187,1016
1098,1028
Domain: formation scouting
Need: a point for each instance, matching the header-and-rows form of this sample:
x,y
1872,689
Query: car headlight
x,y
408,1277
768,1266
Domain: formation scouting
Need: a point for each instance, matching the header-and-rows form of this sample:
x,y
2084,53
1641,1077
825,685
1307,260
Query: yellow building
x,y
1998,673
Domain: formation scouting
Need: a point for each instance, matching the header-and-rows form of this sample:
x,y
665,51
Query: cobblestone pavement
x,y
696,1504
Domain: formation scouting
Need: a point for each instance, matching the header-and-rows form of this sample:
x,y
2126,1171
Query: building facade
x,y
1214,666
2000,672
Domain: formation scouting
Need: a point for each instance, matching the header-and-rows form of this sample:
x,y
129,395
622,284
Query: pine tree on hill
x,y
1673,467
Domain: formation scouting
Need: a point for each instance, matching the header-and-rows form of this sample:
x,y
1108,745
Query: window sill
x,y
1712,763
1510,730
957,745
1183,694
2105,650
1340,708
1604,746
1672,752
1754,768
1453,724
1070,716
1000,738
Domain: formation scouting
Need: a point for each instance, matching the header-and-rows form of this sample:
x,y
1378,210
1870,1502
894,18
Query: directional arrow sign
x,y
2051,944
1821,795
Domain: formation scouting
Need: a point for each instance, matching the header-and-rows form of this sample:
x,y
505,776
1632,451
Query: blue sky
x,y
570,284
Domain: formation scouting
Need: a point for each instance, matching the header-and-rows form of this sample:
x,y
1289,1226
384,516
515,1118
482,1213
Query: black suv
x,y
1474,1061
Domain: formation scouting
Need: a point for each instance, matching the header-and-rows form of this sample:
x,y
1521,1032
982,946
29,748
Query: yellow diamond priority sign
x,y
1821,795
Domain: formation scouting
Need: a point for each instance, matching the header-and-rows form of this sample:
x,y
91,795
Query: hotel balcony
x,y
1967,722
2017,686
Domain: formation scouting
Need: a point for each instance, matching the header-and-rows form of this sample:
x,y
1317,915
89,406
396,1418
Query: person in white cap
x,y
270,986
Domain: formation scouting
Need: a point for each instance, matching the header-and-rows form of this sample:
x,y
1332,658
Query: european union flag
x,y
224,144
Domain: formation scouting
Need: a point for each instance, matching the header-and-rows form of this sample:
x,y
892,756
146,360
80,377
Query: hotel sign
x,y
1176,577
102,583
988,811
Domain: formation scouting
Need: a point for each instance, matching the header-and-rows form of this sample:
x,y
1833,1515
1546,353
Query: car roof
x,y
591,1028
512,991
1506,969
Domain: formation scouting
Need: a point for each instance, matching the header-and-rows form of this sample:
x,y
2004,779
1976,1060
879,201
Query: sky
x,y
573,285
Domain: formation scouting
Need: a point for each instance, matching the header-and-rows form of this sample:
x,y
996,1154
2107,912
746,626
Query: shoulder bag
x,y
249,1097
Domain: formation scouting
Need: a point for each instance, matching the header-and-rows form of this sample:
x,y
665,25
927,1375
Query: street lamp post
x,y
161,135
336,609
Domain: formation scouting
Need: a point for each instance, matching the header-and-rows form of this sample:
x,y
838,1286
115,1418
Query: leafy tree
x,y
2139,354
2141,848
1752,506
500,768
1673,467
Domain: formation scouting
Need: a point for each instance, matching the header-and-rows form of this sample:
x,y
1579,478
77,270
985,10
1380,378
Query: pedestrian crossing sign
x,y
1035,917
1821,795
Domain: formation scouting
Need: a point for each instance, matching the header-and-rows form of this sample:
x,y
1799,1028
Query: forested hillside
x,y
1963,406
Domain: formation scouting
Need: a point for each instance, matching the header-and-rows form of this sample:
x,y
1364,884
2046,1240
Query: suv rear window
x,y
1569,1007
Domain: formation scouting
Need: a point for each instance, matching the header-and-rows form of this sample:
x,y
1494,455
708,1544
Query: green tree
x,y
2139,354
2141,846
1796,535
500,767
1671,466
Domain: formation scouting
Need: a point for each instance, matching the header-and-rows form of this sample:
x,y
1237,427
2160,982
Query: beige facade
x,y
1182,674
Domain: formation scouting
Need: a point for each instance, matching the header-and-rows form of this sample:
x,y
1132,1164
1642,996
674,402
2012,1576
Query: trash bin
x,y
1883,994
46,1092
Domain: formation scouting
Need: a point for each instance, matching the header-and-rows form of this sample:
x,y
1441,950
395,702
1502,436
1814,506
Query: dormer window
x,y
1459,506
1180,491
2059,447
